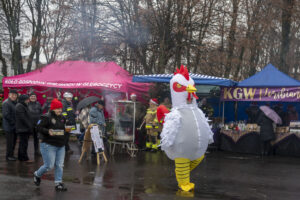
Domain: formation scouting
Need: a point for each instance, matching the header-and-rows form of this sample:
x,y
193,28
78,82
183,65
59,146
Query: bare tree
x,y
12,11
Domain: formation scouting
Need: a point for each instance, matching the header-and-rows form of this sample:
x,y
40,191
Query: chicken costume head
x,y
182,86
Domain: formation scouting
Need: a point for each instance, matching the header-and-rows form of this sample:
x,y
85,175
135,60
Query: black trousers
x,y
23,146
265,147
11,140
67,146
35,140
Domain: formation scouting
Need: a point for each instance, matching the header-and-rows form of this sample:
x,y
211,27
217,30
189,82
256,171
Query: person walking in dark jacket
x,y
266,133
69,113
23,126
9,124
35,110
53,135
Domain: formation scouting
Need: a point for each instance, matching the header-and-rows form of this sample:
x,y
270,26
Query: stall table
x,y
287,143
240,141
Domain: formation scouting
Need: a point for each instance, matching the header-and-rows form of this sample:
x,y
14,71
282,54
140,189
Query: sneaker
x,y
60,187
36,180
11,158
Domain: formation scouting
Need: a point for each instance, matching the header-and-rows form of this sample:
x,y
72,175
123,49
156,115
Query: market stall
x,y
269,85
79,77
206,86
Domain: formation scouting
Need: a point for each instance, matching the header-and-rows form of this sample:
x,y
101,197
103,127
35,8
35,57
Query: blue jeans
x,y
52,155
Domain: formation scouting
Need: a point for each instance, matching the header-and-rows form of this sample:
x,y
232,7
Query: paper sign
x,y
98,141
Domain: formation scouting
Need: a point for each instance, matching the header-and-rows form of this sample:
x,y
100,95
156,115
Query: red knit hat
x,y
55,104
154,101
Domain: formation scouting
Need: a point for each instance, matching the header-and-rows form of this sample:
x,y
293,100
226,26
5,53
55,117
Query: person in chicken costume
x,y
186,133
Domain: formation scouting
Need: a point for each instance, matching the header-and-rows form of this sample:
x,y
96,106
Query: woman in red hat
x,y
52,131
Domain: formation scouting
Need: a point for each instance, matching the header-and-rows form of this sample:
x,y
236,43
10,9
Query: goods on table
x,y
295,127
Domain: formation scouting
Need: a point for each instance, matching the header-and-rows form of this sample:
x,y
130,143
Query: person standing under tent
x,y
206,108
253,112
9,123
69,114
167,102
35,110
152,126
84,119
139,115
266,133
24,127
52,130
96,116
292,114
46,105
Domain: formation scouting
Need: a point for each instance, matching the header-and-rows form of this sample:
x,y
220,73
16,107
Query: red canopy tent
x,y
76,77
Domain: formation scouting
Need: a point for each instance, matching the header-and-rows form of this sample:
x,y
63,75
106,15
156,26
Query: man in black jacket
x,y
69,114
9,124
35,110
23,126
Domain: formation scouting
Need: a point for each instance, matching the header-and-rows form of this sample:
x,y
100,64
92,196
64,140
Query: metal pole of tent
x,y
223,113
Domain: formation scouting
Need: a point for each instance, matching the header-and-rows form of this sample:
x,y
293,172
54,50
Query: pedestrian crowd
x,y
50,126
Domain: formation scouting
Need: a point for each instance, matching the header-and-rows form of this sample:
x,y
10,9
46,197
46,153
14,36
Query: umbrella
x,y
87,101
271,114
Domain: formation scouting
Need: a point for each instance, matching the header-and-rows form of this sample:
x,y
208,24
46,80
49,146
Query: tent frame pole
x,y
223,113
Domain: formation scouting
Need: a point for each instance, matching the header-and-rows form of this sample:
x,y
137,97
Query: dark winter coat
x,y
9,115
46,107
52,121
266,127
23,119
35,110
253,113
97,117
69,113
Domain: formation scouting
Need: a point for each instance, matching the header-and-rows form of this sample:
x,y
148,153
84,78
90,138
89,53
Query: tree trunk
x,y
285,37
231,37
3,61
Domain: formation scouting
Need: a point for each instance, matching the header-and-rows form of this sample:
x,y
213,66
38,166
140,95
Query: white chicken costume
x,y
186,132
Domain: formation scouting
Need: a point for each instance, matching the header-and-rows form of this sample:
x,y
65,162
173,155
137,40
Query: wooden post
x,y
98,159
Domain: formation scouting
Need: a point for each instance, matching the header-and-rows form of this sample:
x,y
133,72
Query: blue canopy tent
x,y
198,78
268,85
270,76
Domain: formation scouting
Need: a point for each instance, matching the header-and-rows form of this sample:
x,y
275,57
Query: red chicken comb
x,y
183,71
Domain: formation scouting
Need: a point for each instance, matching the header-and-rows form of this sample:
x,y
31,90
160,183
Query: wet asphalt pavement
x,y
151,176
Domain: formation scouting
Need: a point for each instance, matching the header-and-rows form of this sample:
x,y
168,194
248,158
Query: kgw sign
x,y
290,94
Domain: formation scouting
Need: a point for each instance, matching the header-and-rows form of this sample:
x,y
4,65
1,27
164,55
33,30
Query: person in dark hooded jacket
x,y
35,110
9,124
267,133
23,126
